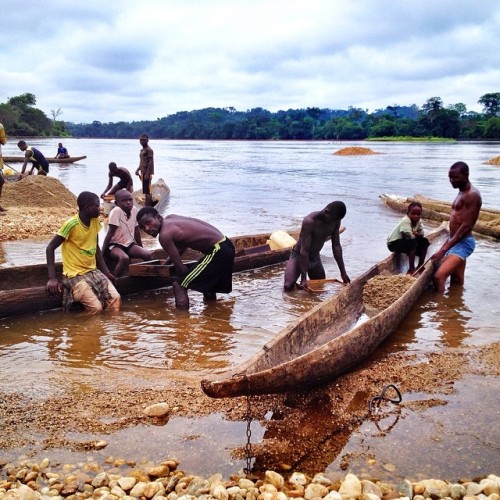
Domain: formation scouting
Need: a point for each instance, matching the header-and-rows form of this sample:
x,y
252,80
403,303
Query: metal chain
x,y
248,446
374,403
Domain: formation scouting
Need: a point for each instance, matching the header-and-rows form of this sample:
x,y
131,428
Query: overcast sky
x,y
113,60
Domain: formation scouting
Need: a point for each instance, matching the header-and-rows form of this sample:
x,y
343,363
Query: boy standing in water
x,y
408,237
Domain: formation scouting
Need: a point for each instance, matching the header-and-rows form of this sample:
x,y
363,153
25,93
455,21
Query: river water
x,y
250,187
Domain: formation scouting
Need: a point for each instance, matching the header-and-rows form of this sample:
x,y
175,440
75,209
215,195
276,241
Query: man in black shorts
x,y
36,158
214,271
146,169
125,181
317,228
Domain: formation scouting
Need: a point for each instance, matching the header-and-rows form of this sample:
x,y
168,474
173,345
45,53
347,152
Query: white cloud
x,y
128,60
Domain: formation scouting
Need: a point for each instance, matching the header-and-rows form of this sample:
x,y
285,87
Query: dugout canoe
x,y
159,191
22,288
20,159
327,341
488,223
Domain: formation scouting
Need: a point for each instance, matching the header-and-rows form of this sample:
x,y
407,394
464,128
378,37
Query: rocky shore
x,y
124,479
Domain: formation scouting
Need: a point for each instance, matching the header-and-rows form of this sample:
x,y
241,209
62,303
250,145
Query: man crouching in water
x,y
213,273
317,228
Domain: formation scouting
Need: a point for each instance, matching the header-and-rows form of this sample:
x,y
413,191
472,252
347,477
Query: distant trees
x,y
20,117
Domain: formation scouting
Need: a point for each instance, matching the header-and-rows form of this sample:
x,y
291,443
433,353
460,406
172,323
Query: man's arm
x,y
337,253
109,235
26,158
469,215
101,265
53,286
108,187
137,236
174,256
150,166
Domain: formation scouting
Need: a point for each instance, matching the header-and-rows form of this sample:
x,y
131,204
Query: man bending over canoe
x,y
212,274
317,228
464,214
86,278
125,181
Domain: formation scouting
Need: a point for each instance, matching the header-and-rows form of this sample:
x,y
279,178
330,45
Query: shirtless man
x,y
125,181
214,271
464,213
146,169
33,155
317,228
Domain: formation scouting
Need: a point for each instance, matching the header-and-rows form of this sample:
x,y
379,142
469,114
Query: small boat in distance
x,y
20,159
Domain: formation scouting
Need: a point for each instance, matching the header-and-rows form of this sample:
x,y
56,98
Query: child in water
x,y
408,237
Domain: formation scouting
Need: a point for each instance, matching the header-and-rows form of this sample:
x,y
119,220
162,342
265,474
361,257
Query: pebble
x,y
32,481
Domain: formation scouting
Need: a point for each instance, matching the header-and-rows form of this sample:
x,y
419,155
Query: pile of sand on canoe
x,y
35,206
381,291
493,161
355,151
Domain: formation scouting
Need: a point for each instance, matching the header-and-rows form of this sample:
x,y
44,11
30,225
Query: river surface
x,y
250,187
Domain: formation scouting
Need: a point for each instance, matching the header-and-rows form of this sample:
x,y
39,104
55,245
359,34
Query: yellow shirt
x,y
80,246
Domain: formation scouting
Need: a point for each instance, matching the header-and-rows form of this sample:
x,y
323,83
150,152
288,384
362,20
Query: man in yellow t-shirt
x,y
86,278
3,140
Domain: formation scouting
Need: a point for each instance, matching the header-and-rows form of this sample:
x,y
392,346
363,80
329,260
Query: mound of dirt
x,y
35,206
494,161
355,150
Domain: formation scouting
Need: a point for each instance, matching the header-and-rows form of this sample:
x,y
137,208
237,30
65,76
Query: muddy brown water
x,y
255,187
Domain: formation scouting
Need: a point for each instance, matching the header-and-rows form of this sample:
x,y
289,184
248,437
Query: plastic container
x,y
281,239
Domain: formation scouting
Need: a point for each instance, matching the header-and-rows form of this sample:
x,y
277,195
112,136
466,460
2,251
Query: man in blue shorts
x,y
464,214
213,273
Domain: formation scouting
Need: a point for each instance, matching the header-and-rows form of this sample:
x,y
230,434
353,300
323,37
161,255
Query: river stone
x,y
490,487
151,489
315,490
473,489
245,484
457,491
350,487
333,495
138,489
127,483
157,410
320,478
24,493
372,488
435,488
298,478
159,471
405,489
219,492
100,480
277,480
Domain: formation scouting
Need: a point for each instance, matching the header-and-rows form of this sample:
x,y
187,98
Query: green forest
x,y
433,119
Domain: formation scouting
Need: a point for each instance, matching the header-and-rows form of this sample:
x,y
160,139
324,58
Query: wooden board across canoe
x,y
22,288
328,340
488,223
20,159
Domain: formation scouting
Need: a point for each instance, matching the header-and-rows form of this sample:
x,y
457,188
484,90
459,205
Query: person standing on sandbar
x,y
146,169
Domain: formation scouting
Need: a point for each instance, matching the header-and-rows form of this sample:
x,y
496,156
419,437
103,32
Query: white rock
x,y
490,486
277,480
435,488
333,495
321,479
369,496
127,483
298,478
157,410
350,487
219,492
371,488
315,490
457,491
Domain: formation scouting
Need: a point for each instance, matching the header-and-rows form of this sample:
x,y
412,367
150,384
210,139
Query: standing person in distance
x,y
123,239
460,244
146,169
3,140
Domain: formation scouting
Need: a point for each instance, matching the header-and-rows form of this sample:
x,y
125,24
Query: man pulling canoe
x,y
317,228
464,214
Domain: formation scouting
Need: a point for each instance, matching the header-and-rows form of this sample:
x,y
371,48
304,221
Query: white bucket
x,y
281,239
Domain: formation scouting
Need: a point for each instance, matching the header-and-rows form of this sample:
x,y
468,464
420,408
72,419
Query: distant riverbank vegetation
x,y
432,121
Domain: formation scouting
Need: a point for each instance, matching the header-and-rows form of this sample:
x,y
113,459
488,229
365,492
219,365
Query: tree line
x,y
433,119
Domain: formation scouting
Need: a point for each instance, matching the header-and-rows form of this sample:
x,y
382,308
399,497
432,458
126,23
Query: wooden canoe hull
x,y
22,288
325,342
20,159
488,223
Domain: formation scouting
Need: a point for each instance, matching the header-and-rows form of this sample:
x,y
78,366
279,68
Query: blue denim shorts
x,y
463,248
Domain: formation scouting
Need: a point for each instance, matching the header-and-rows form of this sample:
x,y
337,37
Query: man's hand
x,y
53,286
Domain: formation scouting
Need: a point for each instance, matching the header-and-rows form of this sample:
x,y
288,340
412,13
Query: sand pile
x,y
353,151
36,206
381,291
493,161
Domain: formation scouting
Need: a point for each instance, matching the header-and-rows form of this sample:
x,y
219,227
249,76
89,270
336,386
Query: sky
x,y
124,60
